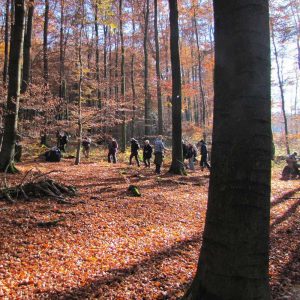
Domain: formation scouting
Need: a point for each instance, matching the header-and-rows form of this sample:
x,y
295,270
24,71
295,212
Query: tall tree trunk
x,y
123,100
105,31
281,88
97,57
6,42
177,158
158,73
14,83
62,84
27,48
201,87
233,261
146,72
132,78
45,43
80,65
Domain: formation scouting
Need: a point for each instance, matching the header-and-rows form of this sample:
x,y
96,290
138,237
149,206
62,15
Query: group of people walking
x,y
159,149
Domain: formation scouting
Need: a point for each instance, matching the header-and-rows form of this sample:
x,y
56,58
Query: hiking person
x,y
112,151
63,141
86,146
135,146
204,156
191,155
147,153
159,149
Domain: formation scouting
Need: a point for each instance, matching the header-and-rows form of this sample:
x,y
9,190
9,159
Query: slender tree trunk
x,y
45,43
146,73
14,83
27,48
123,100
158,73
201,87
6,42
281,88
110,65
62,84
80,65
132,79
105,31
233,261
177,159
97,57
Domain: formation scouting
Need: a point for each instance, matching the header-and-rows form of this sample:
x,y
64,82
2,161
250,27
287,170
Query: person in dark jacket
x,y
134,151
147,153
204,156
112,151
86,146
63,141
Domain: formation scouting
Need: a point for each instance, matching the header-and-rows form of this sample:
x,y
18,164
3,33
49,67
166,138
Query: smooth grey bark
x,y
27,47
233,261
177,158
14,84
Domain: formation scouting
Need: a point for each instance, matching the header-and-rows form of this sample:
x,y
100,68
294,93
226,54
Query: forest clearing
x,y
149,149
110,245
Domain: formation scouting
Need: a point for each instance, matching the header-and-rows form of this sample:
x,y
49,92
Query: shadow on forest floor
x,y
116,276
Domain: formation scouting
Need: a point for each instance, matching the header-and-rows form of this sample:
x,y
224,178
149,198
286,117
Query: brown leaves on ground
x,y
113,246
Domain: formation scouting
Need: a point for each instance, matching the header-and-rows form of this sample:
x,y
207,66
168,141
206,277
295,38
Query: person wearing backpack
x,y
112,151
191,155
135,146
86,146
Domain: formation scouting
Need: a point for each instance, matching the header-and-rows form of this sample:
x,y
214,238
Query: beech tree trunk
x,y
233,261
146,72
177,158
158,75
27,48
200,78
132,75
62,84
6,42
123,126
97,57
14,83
45,43
80,66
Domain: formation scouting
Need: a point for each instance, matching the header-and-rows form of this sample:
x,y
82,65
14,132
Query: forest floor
x,y
110,245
